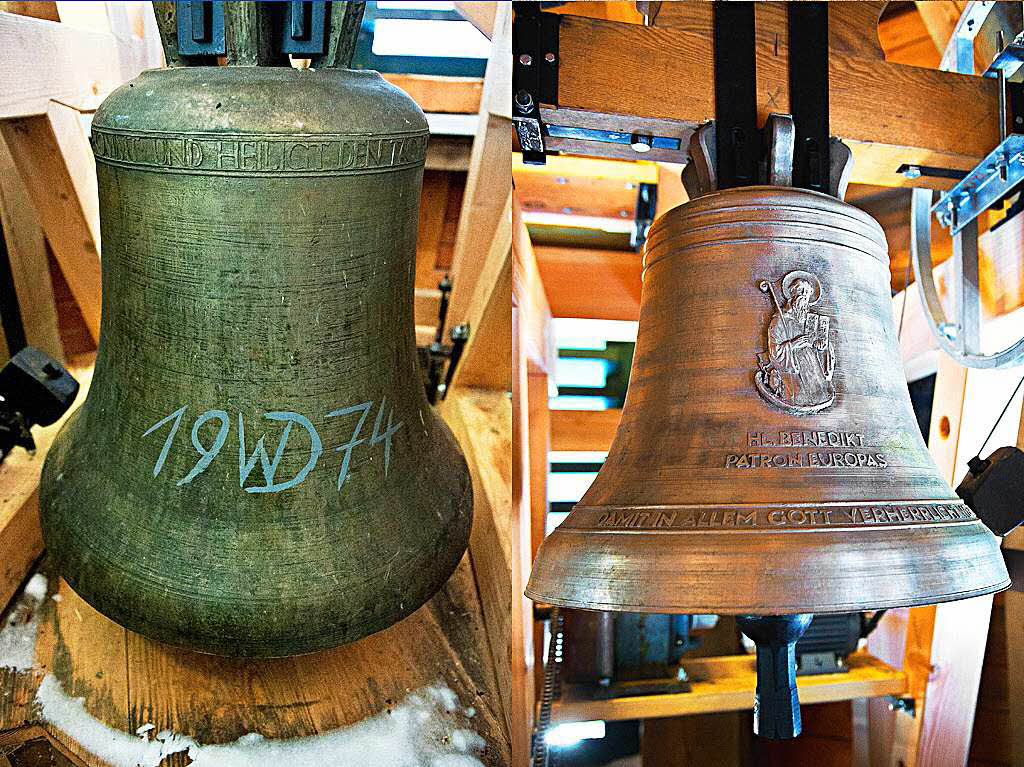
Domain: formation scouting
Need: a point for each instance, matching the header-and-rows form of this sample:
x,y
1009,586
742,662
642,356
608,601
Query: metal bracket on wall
x,y
534,75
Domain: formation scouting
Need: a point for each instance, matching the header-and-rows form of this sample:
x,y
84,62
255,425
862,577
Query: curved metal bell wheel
x,y
958,337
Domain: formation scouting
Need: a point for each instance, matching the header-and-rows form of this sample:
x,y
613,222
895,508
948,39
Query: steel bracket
x,y
534,75
305,24
201,28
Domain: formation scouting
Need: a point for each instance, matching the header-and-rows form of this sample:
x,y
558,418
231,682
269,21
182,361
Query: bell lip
x,y
756,610
723,578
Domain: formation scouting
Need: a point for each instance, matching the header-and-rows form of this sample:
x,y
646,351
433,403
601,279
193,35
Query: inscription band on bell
x,y
251,154
761,518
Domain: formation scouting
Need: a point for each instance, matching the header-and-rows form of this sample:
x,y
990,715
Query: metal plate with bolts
x,y
995,177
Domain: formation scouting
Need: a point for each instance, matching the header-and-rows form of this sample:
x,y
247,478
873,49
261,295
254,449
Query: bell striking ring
x,y
768,461
256,470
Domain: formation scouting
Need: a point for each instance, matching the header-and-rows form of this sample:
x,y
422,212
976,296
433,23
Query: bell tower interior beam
x,y
659,81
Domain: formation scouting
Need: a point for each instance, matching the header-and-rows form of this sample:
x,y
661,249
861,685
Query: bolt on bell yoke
x,y
768,463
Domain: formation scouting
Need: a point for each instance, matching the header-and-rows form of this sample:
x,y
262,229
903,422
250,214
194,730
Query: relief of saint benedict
x,y
795,374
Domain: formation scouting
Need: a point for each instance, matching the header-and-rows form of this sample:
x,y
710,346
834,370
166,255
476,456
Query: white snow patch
x,y
117,748
18,633
421,731
35,589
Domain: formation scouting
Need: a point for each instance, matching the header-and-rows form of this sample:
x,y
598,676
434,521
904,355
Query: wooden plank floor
x,y
128,681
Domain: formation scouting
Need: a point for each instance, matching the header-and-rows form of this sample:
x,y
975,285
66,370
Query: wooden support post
x,y
482,423
488,181
26,249
55,161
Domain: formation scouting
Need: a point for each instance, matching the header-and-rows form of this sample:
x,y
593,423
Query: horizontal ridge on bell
x,y
768,460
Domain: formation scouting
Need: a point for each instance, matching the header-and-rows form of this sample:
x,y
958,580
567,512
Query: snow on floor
x,y
18,633
427,729
422,731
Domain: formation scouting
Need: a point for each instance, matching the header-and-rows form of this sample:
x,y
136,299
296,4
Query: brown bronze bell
x,y
256,470
768,461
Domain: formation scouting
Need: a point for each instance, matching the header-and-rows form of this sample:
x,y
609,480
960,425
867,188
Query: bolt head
x,y
526,59
549,57
912,172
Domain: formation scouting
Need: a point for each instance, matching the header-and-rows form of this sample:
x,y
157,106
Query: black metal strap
x,y
808,93
736,137
534,75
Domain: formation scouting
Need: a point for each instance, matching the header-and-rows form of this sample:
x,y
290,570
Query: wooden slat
x,y
26,248
55,162
727,684
942,119
21,540
435,93
584,429
590,283
74,66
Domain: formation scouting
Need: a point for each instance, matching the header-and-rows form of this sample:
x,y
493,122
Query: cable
x,y
1000,418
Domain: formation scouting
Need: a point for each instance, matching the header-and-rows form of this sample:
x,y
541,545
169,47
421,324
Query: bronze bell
x,y
256,470
768,461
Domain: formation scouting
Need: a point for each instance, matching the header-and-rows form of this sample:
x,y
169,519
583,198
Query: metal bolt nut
x,y
524,101
549,57
525,59
640,142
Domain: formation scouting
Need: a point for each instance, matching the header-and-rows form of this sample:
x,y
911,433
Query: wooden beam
x,y
611,290
434,93
74,66
480,15
888,113
584,429
55,162
26,249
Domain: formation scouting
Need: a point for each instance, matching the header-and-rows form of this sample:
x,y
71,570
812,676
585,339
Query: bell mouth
x,y
792,568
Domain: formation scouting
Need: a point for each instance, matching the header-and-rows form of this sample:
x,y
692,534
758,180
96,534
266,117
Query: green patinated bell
x,y
256,470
